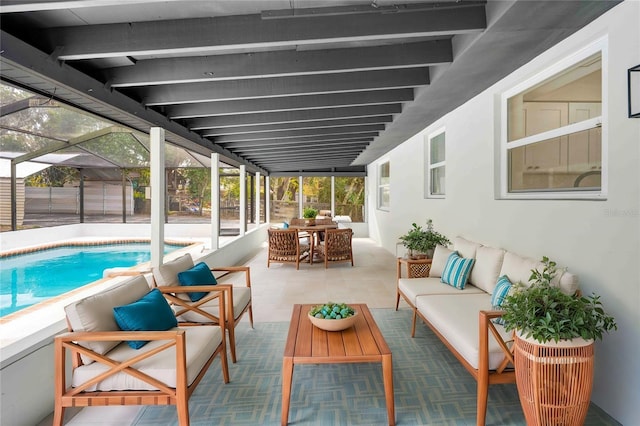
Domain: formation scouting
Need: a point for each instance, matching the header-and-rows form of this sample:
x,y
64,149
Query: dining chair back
x,y
285,247
337,246
323,221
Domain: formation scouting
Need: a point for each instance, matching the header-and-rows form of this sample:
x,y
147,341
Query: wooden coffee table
x,y
307,344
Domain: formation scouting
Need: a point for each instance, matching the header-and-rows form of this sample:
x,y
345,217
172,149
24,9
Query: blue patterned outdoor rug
x,y
431,386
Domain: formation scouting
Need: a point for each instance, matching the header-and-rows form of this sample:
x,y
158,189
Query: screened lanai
x,y
60,165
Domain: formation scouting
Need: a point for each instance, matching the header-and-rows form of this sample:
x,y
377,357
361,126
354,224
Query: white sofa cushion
x,y
567,281
486,270
439,261
465,248
167,274
241,298
518,269
95,313
456,319
414,287
201,342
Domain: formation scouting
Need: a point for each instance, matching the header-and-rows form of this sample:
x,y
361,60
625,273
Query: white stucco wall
x,y
598,240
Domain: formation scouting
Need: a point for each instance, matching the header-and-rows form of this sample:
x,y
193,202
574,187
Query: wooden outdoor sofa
x,y
463,319
106,370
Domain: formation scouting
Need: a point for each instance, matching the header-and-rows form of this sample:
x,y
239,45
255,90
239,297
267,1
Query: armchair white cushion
x,y
167,273
95,313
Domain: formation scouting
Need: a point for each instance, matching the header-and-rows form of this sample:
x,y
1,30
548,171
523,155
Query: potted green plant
x,y
554,347
421,242
309,214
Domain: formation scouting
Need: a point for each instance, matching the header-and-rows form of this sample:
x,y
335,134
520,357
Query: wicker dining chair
x,y
285,247
303,235
323,221
337,246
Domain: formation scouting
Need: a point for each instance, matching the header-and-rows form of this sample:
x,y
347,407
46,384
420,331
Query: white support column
x,y
257,199
158,191
365,209
300,201
243,200
267,199
215,201
333,196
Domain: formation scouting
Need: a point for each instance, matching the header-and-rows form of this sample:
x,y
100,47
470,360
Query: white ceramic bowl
x,y
333,324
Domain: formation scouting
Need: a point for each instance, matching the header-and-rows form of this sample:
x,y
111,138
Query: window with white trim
x,y
383,186
552,138
435,165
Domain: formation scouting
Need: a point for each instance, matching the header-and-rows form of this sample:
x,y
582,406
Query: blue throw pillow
x,y
456,271
151,313
502,289
200,274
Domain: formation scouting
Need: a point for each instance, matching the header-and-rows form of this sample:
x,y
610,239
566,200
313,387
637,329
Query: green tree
x,y
198,185
53,176
284,188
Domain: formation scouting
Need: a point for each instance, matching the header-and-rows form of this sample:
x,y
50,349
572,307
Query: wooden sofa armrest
x,y
215,291
68,341
486,324
230,269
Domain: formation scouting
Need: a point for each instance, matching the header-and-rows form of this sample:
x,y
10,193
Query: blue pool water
x,y
30,278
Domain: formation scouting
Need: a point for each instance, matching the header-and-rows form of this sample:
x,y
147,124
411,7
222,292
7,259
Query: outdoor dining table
x,y
314,231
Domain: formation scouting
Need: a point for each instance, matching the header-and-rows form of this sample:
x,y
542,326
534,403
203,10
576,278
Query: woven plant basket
x,y
554,380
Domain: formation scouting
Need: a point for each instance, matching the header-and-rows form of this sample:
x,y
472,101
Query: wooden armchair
x,y
285,247
206,311
337,246
106,370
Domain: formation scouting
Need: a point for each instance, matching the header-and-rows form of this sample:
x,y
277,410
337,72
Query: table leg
x,y
287,376
387,378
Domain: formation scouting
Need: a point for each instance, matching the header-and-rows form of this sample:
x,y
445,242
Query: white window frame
x,y
385,186
429,167
599,46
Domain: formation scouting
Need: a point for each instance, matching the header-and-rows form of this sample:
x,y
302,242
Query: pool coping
x,y
79,242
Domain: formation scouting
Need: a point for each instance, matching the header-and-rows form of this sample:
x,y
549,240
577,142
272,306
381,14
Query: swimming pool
x,y
30,278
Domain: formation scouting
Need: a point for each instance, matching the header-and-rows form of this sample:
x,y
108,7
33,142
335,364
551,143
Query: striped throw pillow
x,y
456,271
502,289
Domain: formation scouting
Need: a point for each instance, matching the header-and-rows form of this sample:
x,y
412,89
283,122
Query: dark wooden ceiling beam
x,y
318,124
227,33
308,165
280,148
279,64
298,116
289,103
290,134
280,86
307,153
326,139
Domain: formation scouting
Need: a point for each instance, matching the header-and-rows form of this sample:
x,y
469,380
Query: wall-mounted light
x,y
633,88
